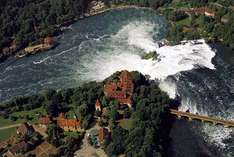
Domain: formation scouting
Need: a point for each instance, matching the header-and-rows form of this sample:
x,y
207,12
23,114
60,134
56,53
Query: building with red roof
x,y
68,124
122,90
44,121
98,106
62,122
49,41
17,149
202,10
24,129
103,134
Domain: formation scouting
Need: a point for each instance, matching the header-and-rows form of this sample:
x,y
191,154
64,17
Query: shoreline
x,y
61,30
115,8
105,9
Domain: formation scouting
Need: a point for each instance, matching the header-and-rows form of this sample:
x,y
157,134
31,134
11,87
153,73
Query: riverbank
x,y
19,51
189,21
185,22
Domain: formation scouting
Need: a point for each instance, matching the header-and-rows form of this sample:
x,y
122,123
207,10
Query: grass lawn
x,y
5,122
179,4
72,134
71,114
7,133
125,123
185,21
32,113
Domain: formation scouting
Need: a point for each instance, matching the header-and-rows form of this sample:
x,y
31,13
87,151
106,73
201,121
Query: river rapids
x,y
94,48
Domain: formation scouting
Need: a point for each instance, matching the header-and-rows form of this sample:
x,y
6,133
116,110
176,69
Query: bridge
x,y
191,116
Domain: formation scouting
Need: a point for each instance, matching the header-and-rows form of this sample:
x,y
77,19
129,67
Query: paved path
x,y
41,130
87,150
10,126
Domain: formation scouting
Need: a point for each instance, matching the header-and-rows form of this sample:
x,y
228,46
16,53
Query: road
x,y
10,126
86,150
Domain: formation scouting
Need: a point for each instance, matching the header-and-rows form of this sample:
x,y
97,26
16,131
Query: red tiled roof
x,y
44,120
24,129
49,40
11,141
61,115
44,149
98,104
125,76
62,122
122,90
3,145
18,147
201,10
103,134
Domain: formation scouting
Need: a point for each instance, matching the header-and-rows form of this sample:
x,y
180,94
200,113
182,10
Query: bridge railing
x,y
190,116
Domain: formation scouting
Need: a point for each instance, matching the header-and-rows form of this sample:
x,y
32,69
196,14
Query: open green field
x,y
7,133
185,21
6,122
32,114
72,113
72,134
179,4
125,123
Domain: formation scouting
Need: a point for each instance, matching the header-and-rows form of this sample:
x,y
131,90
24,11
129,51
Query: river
x,y
94,48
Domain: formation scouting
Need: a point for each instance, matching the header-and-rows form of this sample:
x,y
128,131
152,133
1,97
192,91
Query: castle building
x,y
122,90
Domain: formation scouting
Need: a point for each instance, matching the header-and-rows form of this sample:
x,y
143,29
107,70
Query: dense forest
x,y
25,21
147,136
146,3
219,28
144,138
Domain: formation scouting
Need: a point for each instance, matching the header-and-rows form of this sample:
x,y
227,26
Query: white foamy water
x,y
216,134
168,87
139,35
124,51
173,59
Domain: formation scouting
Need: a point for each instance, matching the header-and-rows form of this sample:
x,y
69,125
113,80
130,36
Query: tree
x,y
53,108
49,93
113,113
13,118
117,145
82,111
54,134
144,138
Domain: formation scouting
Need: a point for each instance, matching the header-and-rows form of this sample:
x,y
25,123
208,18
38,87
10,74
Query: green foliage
x,y
151,55
113,113
54,134
138,78
146,3
27,21
212,29
143,138
177,15
7,133
117,145
71,143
